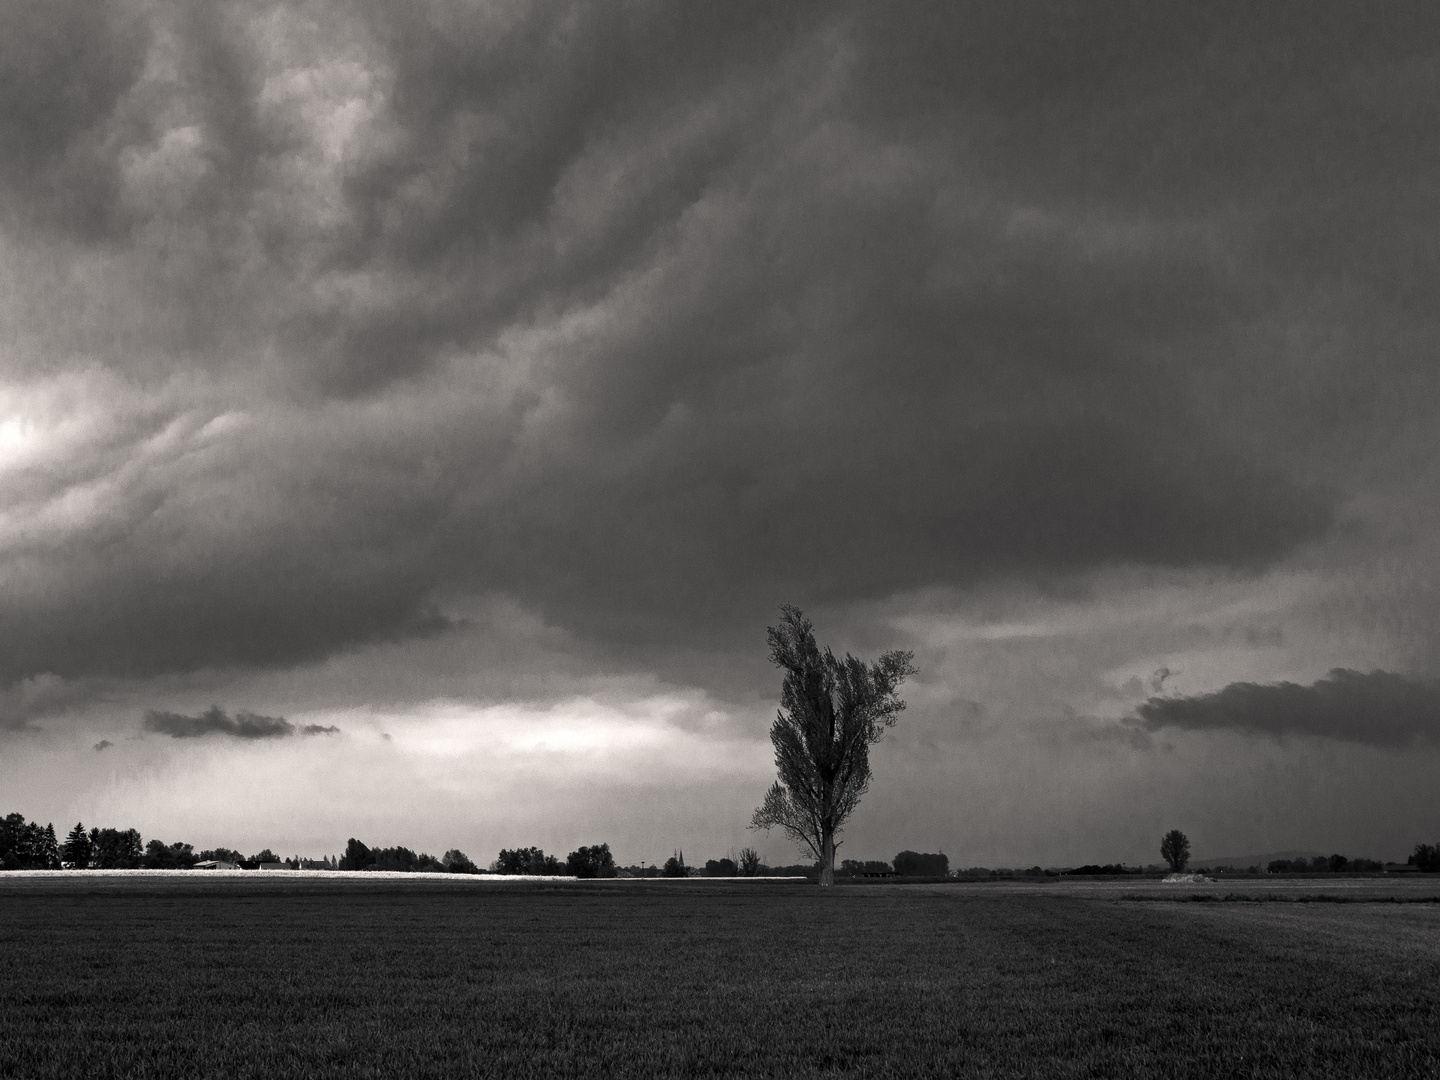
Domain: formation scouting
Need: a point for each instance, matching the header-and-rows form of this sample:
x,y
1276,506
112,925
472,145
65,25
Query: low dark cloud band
x,y
1381,708
214,721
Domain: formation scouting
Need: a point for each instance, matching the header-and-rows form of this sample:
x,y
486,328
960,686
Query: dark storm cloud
x,y
1381,708
651,318
27,703
214,721
319,729
64,68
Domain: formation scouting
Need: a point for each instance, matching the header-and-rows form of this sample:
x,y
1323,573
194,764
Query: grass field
x,y
318,978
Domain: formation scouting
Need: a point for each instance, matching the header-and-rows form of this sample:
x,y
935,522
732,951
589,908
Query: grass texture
x,y
318,979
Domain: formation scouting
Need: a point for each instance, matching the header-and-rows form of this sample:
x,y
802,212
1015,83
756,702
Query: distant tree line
x,y
360,857
1332,864
861,867
906,864
746,864
584,862
531,860
29,846
24,845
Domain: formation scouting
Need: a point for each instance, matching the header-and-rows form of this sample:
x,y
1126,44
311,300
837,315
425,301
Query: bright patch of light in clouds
x,y
434,776
675,732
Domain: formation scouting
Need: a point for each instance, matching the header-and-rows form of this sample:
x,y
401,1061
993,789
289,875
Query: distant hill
x,y
1241,861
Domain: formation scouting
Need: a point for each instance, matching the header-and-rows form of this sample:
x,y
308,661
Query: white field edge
x,y
349,875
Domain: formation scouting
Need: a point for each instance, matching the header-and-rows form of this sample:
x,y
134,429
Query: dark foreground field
x,y
348,979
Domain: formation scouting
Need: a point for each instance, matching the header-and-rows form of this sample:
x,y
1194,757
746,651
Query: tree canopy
x,y
1175,849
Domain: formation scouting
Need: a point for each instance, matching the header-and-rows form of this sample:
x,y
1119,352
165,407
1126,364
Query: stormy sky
x,y
469,384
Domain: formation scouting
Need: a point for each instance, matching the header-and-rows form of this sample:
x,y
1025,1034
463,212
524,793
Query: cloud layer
x,y
328,318
242,725
1381,708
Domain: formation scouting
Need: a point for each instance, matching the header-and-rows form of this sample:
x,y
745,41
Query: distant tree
x,y
831,712
265,855
591,862
1175,849
456,862
403,860
675,866
76,849
396,859
1336,863
15,843
915,864
1426,858
49,849
12,834
27,845
357,856
510,861
115,849
720,868
530,860
160,856
749,862
1366,866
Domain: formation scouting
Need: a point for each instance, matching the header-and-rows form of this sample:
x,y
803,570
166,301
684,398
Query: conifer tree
x,y
49,849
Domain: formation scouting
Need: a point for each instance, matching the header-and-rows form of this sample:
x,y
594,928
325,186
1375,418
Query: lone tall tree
x,y
1175,848
831,711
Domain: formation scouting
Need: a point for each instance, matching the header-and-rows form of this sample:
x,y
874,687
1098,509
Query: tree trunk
x,y
827,857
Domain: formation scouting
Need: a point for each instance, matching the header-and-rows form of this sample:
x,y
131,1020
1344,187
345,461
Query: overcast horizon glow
x,y
477,380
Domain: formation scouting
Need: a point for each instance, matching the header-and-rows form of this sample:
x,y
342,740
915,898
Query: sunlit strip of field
x,y
314,978
74,877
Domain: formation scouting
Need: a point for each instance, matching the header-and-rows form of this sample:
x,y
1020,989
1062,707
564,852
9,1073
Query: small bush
x,y
749,862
